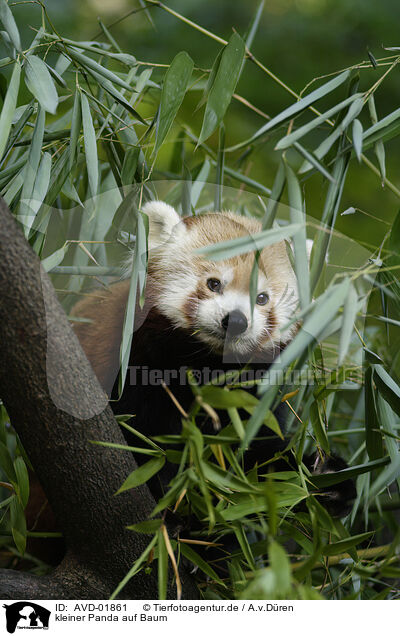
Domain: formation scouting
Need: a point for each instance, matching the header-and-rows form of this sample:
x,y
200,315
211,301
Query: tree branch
x,y
57,407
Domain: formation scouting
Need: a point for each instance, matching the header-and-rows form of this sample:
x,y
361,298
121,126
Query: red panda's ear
x,y
162,220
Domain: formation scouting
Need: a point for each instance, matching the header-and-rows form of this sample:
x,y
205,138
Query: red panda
x,y
191,297
197,314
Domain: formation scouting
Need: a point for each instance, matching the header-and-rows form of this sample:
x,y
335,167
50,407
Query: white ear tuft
x,y
309,246
162,219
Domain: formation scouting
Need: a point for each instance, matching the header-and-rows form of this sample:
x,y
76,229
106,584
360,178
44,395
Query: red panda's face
x,y
211,299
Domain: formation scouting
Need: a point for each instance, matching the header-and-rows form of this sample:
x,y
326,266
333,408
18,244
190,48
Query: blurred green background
x,y
298,40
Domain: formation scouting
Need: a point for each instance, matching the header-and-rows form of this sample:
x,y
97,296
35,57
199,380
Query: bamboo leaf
x,y
175,84
143,473
10,26
245,244
344,545
382,124
326,145
76,124
21,472
387,387
349,315
9,105
88,63
297,217
111,90
330,479
149,526
162,566
357,138
197,560
373,437
223,87
289,140
221,398
89,137
313,161
296,108
42,182
40,83
54,259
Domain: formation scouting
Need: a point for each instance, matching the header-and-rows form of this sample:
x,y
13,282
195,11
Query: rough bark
x,y
57,407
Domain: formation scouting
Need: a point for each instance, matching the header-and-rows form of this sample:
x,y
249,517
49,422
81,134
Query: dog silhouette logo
x,y
26,615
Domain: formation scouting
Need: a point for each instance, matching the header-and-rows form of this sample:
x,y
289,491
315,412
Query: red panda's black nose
x,y
234,323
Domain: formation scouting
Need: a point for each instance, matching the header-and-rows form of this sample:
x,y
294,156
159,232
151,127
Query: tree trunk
x,y
58,408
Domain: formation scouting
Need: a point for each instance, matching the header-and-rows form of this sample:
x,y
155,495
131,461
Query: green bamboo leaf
x,y
135,568
244,545
18,524
223,87
297,217
40,83
378,147
162,567
6,463
57,77
142,474
373,437
289,140
21,472
129,165
296,108
42,182
353,112
344,545
197,560
199,183
387,387
389,421
349,315
226,480
10,26
245,244
221,398
357,138
111,90
330,479
59,174
320,315
137,282
54,259
318,425
5,61
89,137
175,84
280,564
62,64
382,124
388,475
331,206
76,124
10,102
275,196
313,161
219,178
88,63
210,80
149,526
31,170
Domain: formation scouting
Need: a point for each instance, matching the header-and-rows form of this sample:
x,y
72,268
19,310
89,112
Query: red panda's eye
x,y
214,284
262,298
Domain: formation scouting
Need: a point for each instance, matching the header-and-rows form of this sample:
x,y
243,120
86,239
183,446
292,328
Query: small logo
x,y
26,615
